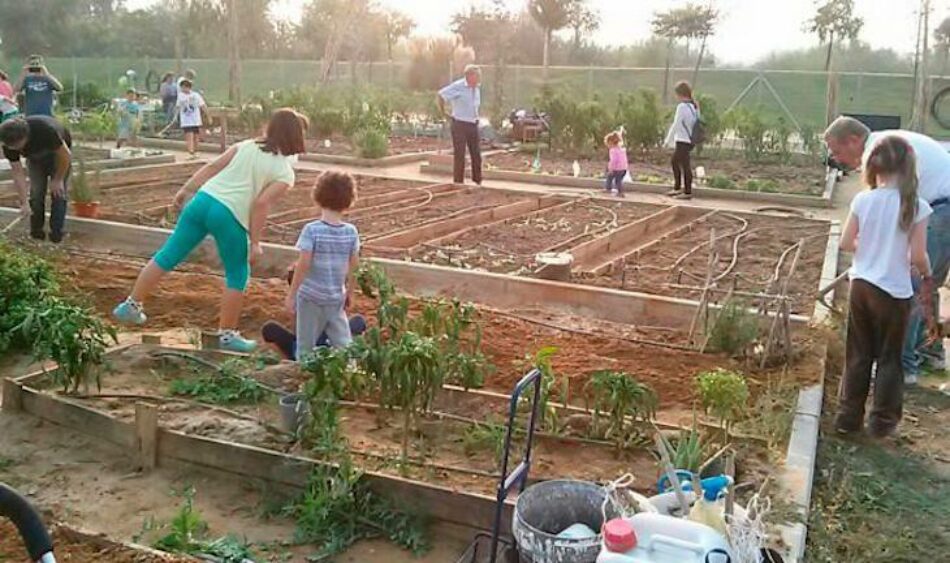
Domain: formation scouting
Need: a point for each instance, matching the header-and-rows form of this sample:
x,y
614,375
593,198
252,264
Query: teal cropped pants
x,y
202,216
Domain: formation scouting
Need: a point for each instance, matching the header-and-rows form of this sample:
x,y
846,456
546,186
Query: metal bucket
x,y
545,509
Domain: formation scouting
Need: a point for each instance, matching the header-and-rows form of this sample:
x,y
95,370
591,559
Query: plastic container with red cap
x,y
619,536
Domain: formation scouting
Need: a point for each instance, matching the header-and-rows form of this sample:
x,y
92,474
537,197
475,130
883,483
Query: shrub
x,y
777,139
712,119
88,94
642,118
735,329
750,128
371,143
723,394
326,121
721,182
577,127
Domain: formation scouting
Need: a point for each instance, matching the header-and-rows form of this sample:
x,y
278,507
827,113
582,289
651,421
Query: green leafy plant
x,y
84,185
621,397
750,128
778,138
721,182
70,335
326,121
548,415
642,118
413,380
330,378
338,509
725,395
481,437
189,532
577,127
371,143
734,330
689,450
227,386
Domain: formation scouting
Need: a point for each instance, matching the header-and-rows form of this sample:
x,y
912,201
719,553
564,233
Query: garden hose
x,y
27,520
935,104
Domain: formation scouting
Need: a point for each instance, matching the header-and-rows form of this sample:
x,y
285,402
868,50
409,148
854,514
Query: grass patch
x,y
876,504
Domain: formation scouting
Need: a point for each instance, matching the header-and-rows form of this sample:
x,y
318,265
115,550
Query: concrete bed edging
x,y
114,164
426,280
798,474
441,168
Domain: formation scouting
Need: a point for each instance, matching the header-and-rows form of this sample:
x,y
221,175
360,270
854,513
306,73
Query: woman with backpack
x,y
685,132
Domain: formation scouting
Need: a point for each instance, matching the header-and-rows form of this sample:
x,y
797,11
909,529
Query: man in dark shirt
x,y
45,144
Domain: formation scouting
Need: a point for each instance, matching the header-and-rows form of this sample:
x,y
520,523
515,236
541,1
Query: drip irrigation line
x,y
712,241
398,209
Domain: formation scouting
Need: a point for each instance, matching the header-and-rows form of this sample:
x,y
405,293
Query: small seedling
x,y
188,535
481,437
227,386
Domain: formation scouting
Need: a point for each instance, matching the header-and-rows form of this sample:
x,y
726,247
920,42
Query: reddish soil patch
x,y
343,146
801,175
655,269
511,247
71,549
191,299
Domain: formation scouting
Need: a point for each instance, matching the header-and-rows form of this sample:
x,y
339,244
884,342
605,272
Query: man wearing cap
x,y
465,97
850,142
37,85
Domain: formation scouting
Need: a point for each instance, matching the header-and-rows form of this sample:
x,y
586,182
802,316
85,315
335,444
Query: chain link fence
x,y
802,93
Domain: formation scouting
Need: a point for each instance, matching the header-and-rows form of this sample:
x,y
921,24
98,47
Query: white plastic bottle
x,y
664,539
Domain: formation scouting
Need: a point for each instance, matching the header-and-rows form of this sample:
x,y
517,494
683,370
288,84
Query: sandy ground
x,y
89,484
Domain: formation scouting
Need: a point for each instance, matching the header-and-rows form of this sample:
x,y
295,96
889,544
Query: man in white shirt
x,y
850,142
465,96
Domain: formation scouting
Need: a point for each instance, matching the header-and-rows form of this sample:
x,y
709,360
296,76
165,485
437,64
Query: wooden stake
x,y
703,307
146,429
778,311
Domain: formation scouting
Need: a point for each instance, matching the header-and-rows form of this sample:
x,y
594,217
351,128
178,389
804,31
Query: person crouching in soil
x,y
284,341
329,253
887,232
228,199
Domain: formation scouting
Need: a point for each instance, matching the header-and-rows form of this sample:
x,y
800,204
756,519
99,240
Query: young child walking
x,y
887,232
617,163
129,113
329,253
191,107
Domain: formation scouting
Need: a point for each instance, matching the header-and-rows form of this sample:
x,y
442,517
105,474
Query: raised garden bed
x,y
77,546
398,144
724,169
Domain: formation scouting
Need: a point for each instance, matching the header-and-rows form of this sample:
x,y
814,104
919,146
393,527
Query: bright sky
x,y
749,30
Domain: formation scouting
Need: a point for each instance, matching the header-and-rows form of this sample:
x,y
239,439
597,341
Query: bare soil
x,y
800,175
76,550
511,246
191,299
658,269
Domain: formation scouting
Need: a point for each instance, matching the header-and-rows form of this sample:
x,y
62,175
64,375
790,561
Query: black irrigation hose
x,y
27,521
935,104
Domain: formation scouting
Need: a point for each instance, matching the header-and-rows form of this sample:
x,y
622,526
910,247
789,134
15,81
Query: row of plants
x,y
366,117
38,316
577,126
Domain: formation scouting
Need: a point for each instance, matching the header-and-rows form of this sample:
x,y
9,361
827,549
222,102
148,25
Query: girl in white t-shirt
x,y
191,107
887,232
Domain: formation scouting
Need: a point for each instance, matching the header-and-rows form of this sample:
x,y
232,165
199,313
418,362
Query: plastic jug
x,y
664,539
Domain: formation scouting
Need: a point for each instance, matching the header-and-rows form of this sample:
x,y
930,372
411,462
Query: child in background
x,y
129,112
617,164
887,231
190,106
329,251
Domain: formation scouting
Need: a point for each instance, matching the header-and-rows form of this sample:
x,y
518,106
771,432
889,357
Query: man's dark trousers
x,y
466,134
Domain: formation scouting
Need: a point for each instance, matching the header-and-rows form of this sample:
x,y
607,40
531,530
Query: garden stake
x,y
782,295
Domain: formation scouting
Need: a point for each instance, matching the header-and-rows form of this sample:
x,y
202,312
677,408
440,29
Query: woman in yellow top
x,y
234,194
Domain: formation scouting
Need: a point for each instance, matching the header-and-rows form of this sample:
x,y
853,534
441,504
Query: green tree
x,y
583,21
834,20
942,39
396,26
551,15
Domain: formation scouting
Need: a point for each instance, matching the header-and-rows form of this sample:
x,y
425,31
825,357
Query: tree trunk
x,y
831,46
234,54
544,58
699,61
666,74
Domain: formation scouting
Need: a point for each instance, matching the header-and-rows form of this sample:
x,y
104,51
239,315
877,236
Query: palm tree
x,y
551,15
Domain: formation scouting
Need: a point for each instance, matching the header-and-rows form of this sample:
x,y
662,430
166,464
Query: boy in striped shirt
x,y
329,253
